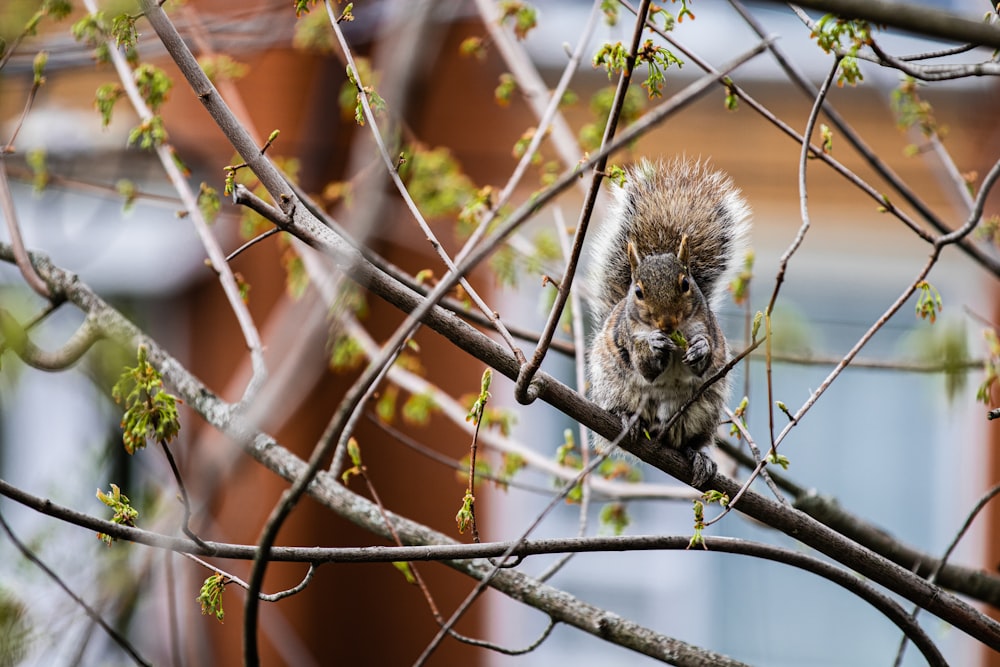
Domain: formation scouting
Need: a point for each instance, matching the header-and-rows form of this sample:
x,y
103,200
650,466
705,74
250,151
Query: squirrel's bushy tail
x,y
659,203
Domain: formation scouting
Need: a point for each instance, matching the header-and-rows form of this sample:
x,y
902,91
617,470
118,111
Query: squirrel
x,y
659,267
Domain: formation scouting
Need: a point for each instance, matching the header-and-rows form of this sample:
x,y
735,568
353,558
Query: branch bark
x,y
919,19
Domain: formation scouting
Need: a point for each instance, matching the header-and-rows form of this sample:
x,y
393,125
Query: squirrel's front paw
x,y
652,354
698,354
658,341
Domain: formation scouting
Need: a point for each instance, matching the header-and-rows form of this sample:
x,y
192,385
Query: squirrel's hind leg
x,y
703,466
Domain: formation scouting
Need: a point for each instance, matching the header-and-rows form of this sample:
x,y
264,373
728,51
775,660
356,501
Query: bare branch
x,y
980,504
307,226
946,72
393,172
919,19
115,636
450,551
215,255
328,492
182,490
14,229
560,606
266,597
16,339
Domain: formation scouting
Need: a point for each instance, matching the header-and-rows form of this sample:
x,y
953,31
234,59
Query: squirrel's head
x,y
663,295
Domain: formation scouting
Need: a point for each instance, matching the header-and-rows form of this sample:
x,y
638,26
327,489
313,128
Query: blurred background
x,y
910,451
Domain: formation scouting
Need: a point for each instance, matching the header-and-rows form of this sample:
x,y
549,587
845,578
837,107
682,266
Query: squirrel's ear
x,y
682,251
633,257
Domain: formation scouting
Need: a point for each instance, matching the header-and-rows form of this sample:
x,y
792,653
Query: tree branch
x,y
16,339
974,583
14,229
451,552
263,448
560,606
523,390
919,19
115,636
217,258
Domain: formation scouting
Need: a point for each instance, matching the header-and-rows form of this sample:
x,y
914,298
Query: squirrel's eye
x,y
638,292
683,283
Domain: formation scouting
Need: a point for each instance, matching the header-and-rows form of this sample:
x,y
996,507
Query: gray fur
x,y
635,365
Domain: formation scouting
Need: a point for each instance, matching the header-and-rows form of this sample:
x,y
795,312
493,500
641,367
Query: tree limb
x,y
446,550
919,19
90,611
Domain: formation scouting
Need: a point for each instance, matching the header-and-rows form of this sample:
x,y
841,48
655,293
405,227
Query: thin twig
x,y
510,651
472,475
216,257
266,597
101,190
255,240
14,229
38,80
946,239
500,563
779,277
90,611
393,172
976,213
922,72
738,423
523,391
362,470
185,501
901,365
941,53
980,504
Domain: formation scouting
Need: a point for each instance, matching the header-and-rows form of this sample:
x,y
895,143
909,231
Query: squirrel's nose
x,y
667,325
